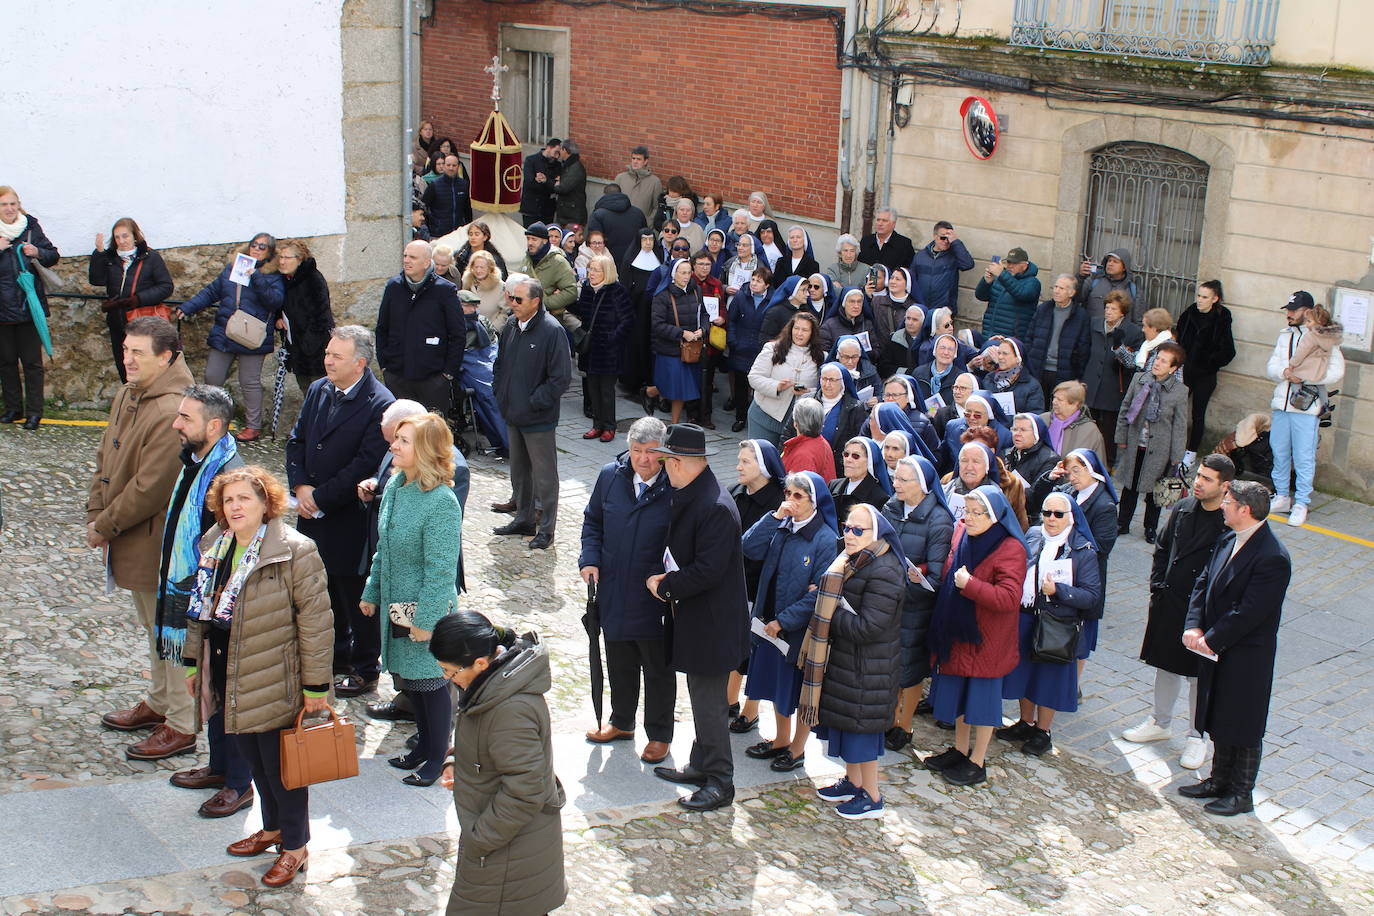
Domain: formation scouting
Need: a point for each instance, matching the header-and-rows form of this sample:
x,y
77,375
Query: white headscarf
x,y
1050,545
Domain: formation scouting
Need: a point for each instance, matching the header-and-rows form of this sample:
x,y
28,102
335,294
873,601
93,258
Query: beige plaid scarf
x,y
815,649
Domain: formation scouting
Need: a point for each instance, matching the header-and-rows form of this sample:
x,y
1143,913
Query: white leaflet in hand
x,y
756,627
242,265
863,340
848,607
669,564
956,505
1007,400
934,403
1060,571
921,579
294,505
865,393
1210,656
712,305
1024,482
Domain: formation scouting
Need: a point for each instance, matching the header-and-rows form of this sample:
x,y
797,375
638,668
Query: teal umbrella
x,y
25,280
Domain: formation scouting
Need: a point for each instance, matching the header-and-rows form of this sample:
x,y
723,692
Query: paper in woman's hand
x,y
243,269
756,626
921,580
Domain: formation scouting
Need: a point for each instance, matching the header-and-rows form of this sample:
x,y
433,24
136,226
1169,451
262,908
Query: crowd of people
x,y
922,520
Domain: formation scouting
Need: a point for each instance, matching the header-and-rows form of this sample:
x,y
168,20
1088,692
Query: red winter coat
x,y
995,590
813,453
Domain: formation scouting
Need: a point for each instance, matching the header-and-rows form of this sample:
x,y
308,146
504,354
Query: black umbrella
x,y
591,622
278,388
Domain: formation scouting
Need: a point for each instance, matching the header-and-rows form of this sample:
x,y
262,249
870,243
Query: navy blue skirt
x,y
1052,686
851,747
676,380
773,678
1087,642
977,699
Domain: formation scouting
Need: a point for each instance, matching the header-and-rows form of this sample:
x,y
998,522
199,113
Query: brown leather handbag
x,y
318,753
690,349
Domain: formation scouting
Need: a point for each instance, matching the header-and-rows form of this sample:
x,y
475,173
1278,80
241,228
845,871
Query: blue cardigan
x,y
792,562
1079,599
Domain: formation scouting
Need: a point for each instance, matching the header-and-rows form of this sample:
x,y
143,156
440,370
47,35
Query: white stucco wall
x,y
205,121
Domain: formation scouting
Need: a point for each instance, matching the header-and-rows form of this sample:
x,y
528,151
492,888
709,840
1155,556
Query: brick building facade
x,y
733,103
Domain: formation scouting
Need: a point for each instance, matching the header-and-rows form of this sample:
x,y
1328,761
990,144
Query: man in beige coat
x,y
135,470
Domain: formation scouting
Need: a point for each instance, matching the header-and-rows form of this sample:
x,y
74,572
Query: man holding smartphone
x,y
937,266
1012,291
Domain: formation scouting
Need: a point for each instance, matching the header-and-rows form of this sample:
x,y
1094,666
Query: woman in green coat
x,y
510,851
412,581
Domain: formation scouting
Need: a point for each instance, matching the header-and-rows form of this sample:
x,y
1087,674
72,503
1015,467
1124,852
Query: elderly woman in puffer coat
x,y
260,645
261,298
508,800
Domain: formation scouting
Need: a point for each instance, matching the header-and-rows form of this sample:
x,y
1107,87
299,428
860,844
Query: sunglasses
x,y
1055,513
855,455
815,286
519,300
681,250
854,530
261,246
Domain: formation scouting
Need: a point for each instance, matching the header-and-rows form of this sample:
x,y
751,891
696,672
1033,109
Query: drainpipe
x,y
891,142
851,13
407,111
871,148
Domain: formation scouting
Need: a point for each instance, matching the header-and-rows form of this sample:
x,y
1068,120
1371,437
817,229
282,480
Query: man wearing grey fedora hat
x,y
707,630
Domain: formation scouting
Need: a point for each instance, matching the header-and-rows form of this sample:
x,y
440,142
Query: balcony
x,y
1228,32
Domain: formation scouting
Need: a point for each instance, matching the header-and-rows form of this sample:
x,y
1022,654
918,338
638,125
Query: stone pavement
x,y
1092,828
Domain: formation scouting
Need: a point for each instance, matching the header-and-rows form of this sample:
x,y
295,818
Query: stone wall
x,y
355,263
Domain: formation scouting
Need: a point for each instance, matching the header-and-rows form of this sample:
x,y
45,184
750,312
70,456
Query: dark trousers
x,y
357,639
744,394
710,361
626,660
1106,423
434,722
1201,389
433,391
1048,382
600,396
534,477
20,346
1129,495
115,322
225,757
711,753
305,380
287,810
1236,767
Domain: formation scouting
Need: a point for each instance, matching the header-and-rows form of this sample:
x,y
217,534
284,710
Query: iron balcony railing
x,y
1236,32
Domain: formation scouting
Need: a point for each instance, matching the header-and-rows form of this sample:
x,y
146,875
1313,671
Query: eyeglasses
x,y
1055,513
670,230
975,513
518,300
892,397
854,530
797,496
261,246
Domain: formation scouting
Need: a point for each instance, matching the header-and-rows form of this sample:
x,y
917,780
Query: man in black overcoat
x,y
707,630
1182,552
335,445
1234,616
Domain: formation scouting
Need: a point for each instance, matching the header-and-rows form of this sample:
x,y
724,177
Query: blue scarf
x,y
175,587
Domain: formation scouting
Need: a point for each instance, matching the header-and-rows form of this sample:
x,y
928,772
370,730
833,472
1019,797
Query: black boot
x,y
11,416
1239,799
1217,785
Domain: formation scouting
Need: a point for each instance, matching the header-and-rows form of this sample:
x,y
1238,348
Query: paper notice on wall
x,y
1353,313
243,269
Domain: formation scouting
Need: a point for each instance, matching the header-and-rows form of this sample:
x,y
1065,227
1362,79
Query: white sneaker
x,y
1297,515
1194,753
1147,731
1281,504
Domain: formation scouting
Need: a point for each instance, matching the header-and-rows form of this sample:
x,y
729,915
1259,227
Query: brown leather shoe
x,y
165,741
199,778
254,845
655,752
283,871
249,435
608,734
131,720
506,508
225,802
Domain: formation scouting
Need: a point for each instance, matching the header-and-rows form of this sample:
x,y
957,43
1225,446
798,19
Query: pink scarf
x,y
1057,427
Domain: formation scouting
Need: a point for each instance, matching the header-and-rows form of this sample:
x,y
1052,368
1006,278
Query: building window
x,y
1151,200
1212,31
534,91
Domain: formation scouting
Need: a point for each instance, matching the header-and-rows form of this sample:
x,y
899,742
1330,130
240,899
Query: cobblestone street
x,y
1093,827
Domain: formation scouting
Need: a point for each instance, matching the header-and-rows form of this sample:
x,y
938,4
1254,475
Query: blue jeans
x,y
1293,438
763,426
225,758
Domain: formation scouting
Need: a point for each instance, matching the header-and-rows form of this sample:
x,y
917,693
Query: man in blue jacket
x,y
624,531
1011,289
936,268
335,445
533,368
